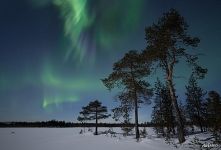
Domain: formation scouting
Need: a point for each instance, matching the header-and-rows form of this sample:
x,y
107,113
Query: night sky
x,y
53,53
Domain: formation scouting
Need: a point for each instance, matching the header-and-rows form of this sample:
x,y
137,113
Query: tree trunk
x,y
180,126
96,123
172,123
136,120
199,120
173,126
162,123
201,126
136,104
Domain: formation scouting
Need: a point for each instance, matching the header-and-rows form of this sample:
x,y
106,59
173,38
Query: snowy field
x,y
70,139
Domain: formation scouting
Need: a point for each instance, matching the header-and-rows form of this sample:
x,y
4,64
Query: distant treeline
x,y
63,124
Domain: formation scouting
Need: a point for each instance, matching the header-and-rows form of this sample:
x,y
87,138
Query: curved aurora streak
x,y
58,100
60,89
57,89
90,28
76,21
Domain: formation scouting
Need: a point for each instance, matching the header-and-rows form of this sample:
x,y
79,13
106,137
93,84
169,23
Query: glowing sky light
x,y
53,53
59,89
58,100
76,21
91,28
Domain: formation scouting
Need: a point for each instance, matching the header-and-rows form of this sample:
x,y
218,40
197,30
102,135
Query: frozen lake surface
x,y
70,139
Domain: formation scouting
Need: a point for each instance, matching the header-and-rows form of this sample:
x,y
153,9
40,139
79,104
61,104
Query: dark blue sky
x,y
54,53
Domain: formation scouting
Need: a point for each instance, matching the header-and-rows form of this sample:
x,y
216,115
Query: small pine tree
x,y
195,103
162,115
213,113
124,111
94,111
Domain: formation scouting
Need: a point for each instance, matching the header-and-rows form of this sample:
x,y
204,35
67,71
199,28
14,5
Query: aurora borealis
x,y
89,27
53,53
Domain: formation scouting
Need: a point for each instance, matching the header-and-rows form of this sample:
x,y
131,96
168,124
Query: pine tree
x,y
157,113
183,115
195,103
214,113
124,111
128,74
167,41
94,111
162,114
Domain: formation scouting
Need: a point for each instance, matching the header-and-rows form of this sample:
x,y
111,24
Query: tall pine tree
x,y
128,74
167,43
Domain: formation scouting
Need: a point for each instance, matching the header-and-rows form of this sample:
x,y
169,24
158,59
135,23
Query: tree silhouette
x,y
214,114
195,102
167,43
162,114
124,111
94,111
128,74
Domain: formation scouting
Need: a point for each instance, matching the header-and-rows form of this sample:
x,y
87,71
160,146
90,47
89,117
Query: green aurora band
x,y
48,101
59,89
76,20
91,26
50,78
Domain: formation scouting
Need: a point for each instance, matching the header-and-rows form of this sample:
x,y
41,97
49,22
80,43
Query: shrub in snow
x,y
81,132
90,129
170,141
195,144
143,132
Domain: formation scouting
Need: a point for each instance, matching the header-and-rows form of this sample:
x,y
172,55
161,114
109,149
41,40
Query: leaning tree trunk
x,y
180,125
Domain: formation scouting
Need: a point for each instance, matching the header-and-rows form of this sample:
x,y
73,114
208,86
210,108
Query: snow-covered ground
x,y
70,139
